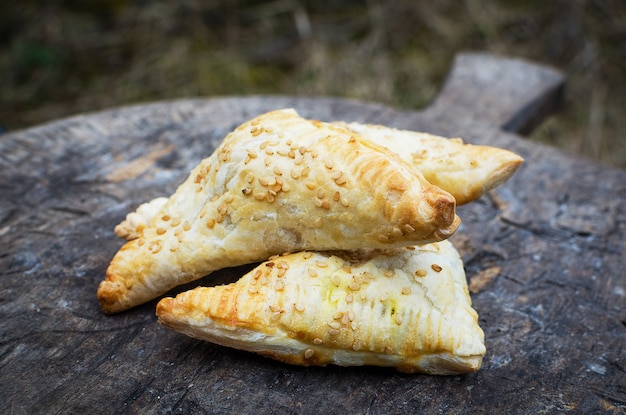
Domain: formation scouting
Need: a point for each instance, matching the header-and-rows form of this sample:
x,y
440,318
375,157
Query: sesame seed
x,y
269,151
141,242
279,285
253,290
252,154
397,232
349,298
259,196
165,218
398,318
317,341
249,177
307,255
219,218
321,192
308,353
353,325
409,228
325,204
275,316
388,350
354,286
318,202
186,226
299,307
271,196
285,187
321,264
281,273
160,231
176,222
351,315
335,279
267,161
257,274
291,154
406,290
383,238
155,247
305,171
341,180
295,174
247,191
338,315
302,150
388,273
334,325
329,164
345,320
318,223
311,185
345,202
334,332
275,308
356,345
347,269
277,171
436,268
336,196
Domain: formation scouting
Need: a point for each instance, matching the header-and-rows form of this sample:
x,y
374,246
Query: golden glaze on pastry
x,y
278,183
466,171
404,308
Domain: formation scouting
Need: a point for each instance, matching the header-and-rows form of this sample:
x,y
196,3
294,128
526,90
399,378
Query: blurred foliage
x,y
59,58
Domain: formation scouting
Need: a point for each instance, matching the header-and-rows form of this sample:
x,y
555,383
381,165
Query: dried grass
x,y
59,60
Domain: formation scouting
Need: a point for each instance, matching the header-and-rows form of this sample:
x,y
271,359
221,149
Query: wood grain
x,y
554,315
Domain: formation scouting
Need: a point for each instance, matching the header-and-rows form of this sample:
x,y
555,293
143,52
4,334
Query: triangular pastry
x,y
403,308
278,183
465,170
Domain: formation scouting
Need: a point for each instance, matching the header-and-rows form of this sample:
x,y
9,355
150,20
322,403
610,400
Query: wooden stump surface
x,y
544,254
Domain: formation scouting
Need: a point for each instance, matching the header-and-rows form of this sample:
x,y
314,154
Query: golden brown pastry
x,y
403,308
466,171
278,183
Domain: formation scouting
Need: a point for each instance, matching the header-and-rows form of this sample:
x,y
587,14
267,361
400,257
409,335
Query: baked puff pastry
x,y
466,171
403,308
278,183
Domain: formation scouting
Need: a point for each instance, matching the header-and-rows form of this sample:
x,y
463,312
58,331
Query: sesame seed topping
x,y
421,273
336,279
354,286
406,290
409,228
249,177
160,231
397,232
325,204
279,285
253,290
349,298
338,315
398,318
186,226
321,192
176,222
141,242
252,154
295,174
267,161
307,255
305,171
354,325
336,196
317,341
299,307
388,273
285,187
277,171
154,247
308,353
275,308
356,345
334,332
329,164
311,185
383,238
436,268
321,264
259,196
341,180
312,272
318,223
165,218
257,274
280,273
345,202
247,191
334,325
302,150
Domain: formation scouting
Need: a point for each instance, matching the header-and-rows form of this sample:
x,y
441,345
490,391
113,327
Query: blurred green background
x,y
60,58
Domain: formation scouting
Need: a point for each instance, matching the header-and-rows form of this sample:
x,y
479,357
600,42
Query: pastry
x,y
407,308
466,171
278,183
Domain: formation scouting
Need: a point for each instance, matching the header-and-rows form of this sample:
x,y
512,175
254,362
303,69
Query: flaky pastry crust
x,y
465,170
403,308
278,183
